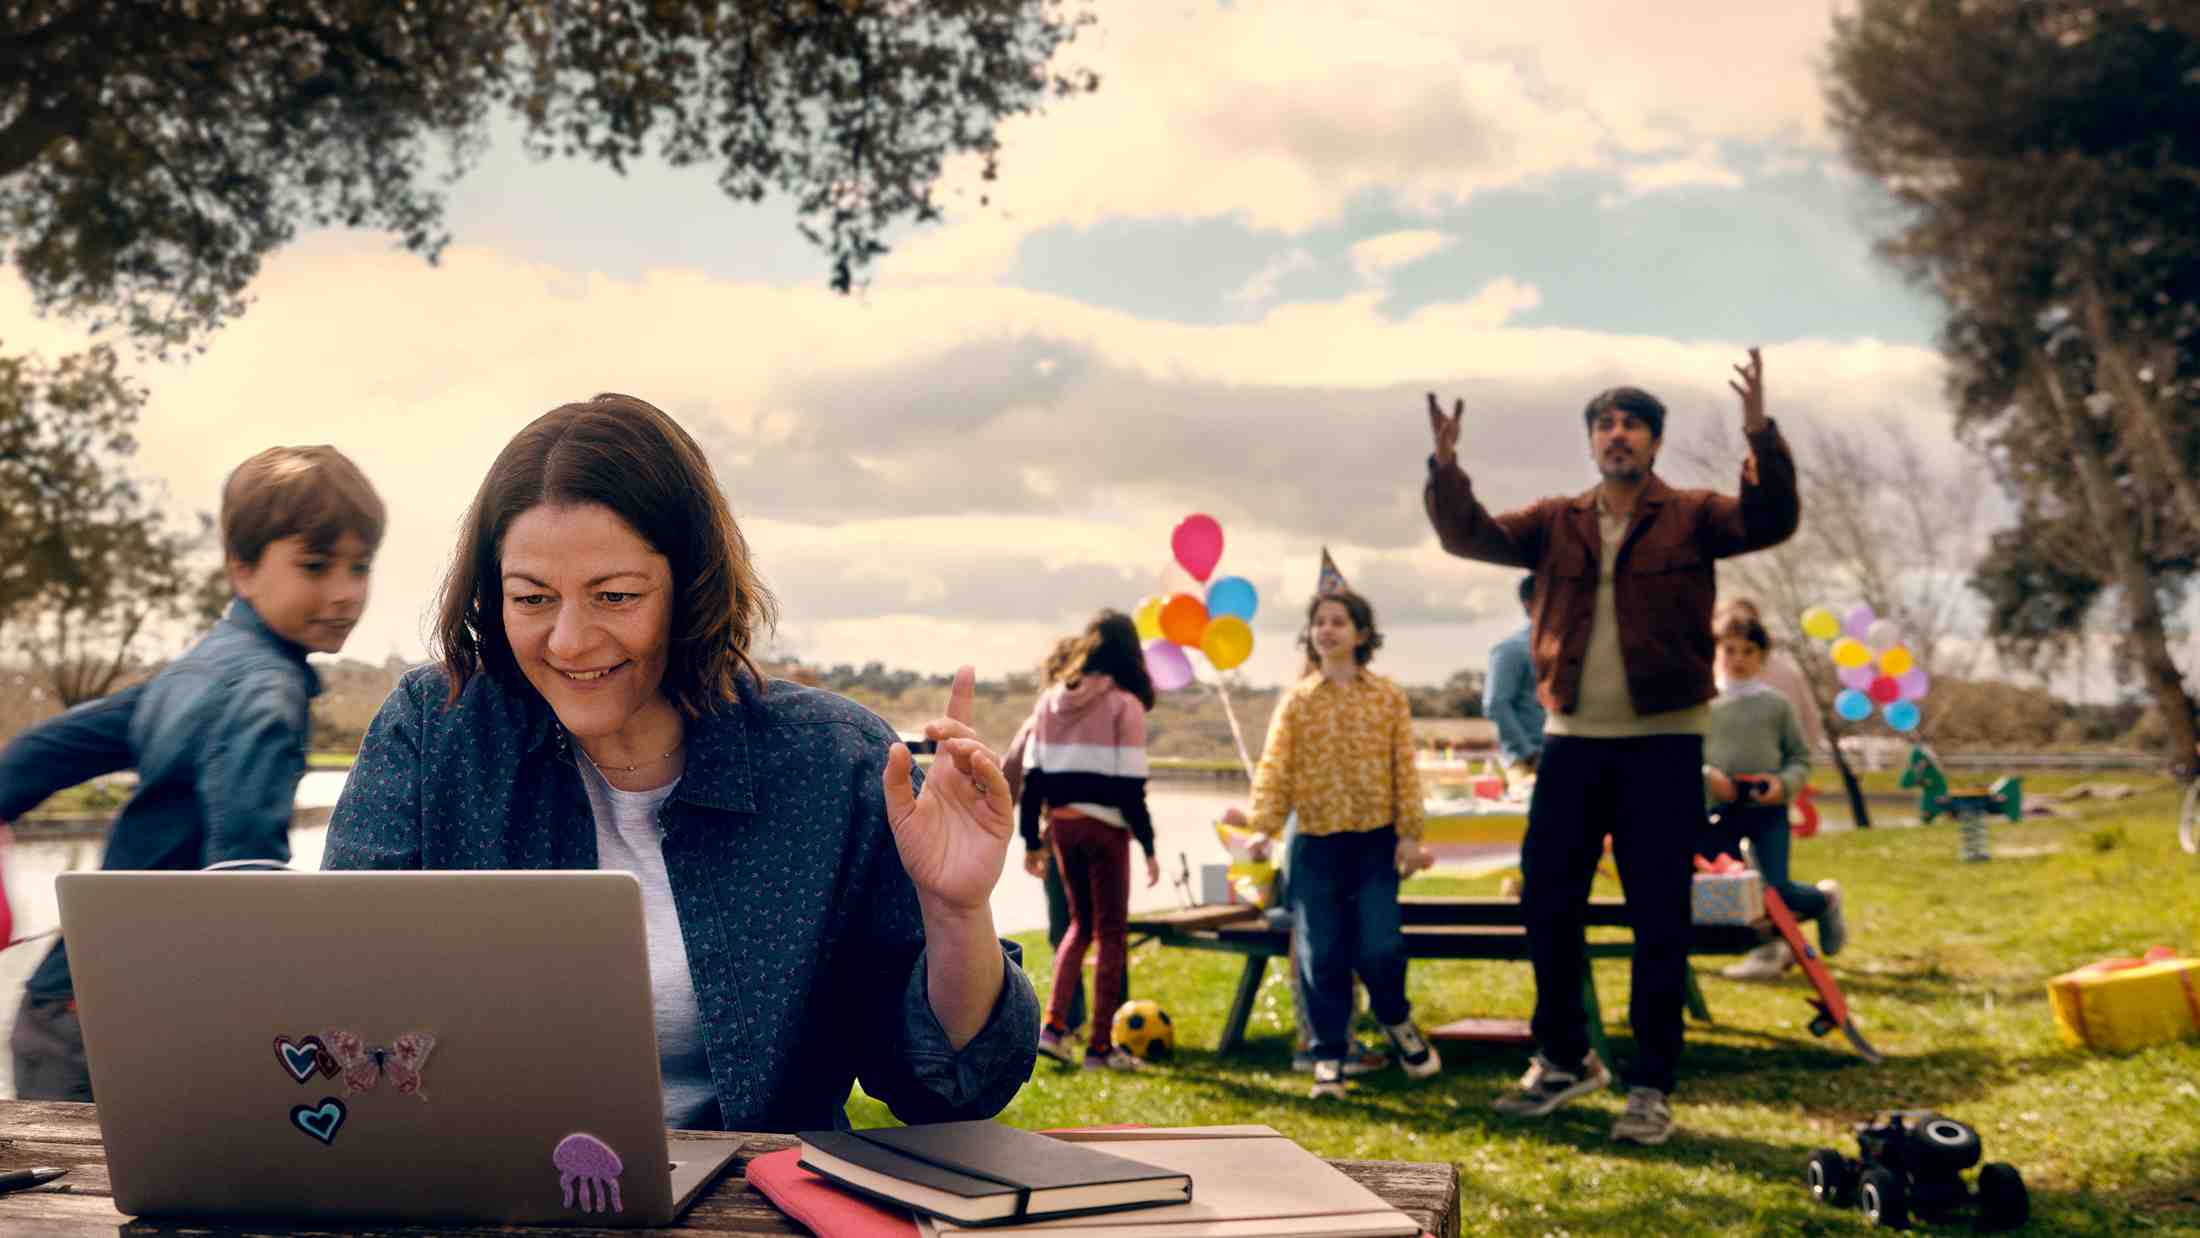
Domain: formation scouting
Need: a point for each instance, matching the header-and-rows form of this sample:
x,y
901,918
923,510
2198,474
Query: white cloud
x,y
1703,167
1283,113
1378,256
1260,288
973,464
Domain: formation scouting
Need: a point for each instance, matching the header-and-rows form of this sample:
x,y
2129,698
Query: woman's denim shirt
x,y
801,925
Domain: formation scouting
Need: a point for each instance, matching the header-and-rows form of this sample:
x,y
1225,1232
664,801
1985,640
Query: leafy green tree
x,y
89,566
2044,158
153,152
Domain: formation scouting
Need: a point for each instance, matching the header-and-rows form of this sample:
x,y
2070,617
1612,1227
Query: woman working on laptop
x,y
813,918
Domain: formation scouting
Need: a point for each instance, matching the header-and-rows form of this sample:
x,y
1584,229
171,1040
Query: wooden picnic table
x,y
67,1136
1436,927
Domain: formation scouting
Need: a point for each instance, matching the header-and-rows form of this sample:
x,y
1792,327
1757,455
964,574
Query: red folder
x,y
829,1211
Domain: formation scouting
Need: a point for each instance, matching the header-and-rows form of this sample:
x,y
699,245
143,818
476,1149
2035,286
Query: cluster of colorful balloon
x,y
1875,667
1217,621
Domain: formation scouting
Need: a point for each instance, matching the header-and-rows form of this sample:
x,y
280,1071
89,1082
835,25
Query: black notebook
x,y
976,1173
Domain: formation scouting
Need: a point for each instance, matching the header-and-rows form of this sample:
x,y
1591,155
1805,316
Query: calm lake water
x,y
1184,814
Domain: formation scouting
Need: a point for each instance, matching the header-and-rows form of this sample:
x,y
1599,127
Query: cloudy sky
x,y
1219,285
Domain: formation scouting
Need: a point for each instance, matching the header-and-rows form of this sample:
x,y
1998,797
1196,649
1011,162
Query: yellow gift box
x,y
2125,1004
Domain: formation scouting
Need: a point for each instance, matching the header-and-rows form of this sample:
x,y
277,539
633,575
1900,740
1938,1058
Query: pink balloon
x,y
1197,542
1165,661
1859,621
1857,677
1914,682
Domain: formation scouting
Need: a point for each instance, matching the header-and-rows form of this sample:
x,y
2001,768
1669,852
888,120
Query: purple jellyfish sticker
x,y
585,1161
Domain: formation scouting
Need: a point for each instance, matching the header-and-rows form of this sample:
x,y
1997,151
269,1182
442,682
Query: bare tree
x,y
1886,523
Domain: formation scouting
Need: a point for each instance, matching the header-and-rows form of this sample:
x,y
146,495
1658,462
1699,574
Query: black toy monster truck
x,y
1912,1163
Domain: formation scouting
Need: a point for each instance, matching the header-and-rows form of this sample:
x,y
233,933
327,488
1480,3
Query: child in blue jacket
x,y
218,737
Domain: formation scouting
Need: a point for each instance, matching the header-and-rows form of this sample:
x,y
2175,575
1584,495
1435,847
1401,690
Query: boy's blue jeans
x,y
1766,828
1344,889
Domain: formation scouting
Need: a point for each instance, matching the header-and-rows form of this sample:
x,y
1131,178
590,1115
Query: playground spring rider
x,y
1968,805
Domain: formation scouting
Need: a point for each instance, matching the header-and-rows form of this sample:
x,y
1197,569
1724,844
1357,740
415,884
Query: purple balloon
x,y
1914,681
1165,661
1857,677
1859,621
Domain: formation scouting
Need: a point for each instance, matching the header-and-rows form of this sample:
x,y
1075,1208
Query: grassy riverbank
x,y
1947,969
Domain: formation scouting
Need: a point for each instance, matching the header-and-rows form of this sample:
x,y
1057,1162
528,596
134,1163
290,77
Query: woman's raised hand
x,y
953,837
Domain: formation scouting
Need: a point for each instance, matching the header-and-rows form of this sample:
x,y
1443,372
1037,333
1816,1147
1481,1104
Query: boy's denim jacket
x,y
219,741
801,926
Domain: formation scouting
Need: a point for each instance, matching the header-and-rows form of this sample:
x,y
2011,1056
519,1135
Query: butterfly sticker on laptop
x,y
365,1065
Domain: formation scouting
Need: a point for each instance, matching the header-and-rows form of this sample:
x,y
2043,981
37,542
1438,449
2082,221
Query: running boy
x,y
218,737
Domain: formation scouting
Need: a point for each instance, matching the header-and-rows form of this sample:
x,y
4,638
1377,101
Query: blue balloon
x,y
1853,705
1232,595
1902,715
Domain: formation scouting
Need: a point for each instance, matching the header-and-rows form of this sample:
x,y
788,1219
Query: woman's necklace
x,y
628,769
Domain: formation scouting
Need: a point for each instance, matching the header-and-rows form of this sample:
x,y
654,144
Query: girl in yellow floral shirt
x,y
1340,754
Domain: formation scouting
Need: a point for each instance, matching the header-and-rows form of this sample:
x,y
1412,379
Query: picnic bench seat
x,y
1435,927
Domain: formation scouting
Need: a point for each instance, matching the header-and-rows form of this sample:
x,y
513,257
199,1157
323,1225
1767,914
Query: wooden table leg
x,y
1241,1006
1696,1004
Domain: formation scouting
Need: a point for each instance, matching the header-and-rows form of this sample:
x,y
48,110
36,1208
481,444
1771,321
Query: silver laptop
x,y
418,1046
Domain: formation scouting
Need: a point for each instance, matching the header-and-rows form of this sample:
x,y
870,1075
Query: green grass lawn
x,y
1946,968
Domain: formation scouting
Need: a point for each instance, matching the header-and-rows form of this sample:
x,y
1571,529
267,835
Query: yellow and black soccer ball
x,y
1145,1029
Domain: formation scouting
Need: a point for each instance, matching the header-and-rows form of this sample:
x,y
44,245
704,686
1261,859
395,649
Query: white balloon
x,y
1883,634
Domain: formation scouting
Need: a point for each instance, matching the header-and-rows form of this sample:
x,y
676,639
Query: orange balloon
x,y
1184,619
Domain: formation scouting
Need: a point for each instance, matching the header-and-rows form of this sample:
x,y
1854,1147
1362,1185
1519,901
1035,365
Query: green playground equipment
x,y
1970,806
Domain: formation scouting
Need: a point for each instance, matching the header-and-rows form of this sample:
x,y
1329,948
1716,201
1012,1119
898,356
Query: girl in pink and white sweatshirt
x,y
1084,763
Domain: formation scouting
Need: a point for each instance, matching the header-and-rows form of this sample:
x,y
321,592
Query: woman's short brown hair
x,y
624,454
312,492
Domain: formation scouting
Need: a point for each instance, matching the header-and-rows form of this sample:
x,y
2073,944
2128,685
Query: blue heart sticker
x,y
300,1058
320,1121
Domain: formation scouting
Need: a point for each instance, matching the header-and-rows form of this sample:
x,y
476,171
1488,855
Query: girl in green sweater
x,y
1755,760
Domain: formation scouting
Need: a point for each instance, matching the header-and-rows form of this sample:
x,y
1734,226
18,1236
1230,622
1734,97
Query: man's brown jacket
x,y
1663,585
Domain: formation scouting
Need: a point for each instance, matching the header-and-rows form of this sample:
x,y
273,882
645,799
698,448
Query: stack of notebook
x,y
1133,1182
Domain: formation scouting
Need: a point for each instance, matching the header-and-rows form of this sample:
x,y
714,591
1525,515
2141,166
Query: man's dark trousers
x,y
1647,793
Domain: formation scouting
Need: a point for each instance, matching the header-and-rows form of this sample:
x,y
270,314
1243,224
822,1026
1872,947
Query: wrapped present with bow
x,y
1252,880
1727,891
2120,1005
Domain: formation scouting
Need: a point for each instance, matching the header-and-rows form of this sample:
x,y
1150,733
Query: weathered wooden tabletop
x,y
67,1136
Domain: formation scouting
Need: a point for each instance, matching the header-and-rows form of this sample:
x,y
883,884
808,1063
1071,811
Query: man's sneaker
x,y
1763,963
1833,928
1416,1056
1055,1044
1648,1118
1329,1082
1116,1058
1545,1087
1367,1061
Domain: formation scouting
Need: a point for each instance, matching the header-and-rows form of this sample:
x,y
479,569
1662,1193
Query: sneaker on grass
x,y
1116,1058
1416,1056
1366,1061
1833,927
1648,1119
1545,1087
1764,963
1329,1080
1055,1044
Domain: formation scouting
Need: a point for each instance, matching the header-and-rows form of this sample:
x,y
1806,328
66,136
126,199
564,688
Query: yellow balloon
x,y
1849,651
1148,618
1896,660
1821,624
1226,642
